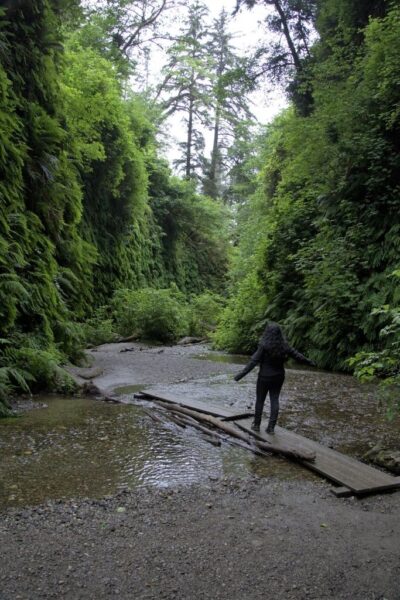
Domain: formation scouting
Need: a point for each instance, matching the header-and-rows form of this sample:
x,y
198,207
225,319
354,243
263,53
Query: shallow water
x,y
237,359
81,447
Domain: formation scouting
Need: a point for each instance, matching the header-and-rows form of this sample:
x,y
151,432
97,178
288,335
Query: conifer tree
x,y
187,87
230,102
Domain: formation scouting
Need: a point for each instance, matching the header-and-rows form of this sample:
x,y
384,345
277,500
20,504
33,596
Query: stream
x,y
82,447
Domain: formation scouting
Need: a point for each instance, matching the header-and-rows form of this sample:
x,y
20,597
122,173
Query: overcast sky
x,y
247,30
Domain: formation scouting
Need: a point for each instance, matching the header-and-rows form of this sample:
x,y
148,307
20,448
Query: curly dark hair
x,y
273,341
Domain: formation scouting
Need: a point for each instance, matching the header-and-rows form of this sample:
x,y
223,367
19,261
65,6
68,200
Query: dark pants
x,y
273,385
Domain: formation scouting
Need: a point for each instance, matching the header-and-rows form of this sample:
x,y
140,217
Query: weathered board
x,y
227,413
340,468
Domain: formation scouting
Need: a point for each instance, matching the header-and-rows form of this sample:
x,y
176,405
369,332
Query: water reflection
x,y
83,447
237,359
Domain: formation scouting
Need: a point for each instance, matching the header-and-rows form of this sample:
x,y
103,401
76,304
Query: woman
x,y
271,354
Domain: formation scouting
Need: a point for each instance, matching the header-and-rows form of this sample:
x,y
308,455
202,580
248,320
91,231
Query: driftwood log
x,y
251,443
184,421
210,436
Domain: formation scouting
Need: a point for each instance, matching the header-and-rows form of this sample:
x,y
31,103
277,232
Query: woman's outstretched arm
x,y
299,357
253,362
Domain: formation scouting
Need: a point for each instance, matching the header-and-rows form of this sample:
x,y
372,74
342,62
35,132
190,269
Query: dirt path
x,y
228,539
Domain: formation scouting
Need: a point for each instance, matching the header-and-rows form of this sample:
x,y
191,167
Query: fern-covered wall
x,y
320,237
45,263
86,205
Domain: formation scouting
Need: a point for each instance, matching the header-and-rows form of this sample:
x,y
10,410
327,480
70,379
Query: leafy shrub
x,y
153,314
383,365
45,371
29,369
70,340
242,321
205,311
11,380
99,329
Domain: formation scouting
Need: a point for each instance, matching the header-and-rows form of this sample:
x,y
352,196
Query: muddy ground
x,y
251,538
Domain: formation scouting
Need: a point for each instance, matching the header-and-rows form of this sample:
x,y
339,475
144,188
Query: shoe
x,y
270,430
255,427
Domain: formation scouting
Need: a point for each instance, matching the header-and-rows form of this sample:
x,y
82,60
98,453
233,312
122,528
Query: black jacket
x,y
271,366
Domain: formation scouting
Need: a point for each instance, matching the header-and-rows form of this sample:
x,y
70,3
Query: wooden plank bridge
x,y
227,413
353,476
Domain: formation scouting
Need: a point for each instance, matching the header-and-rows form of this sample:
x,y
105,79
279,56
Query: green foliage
x,y
194,233
86,206
188,86
152,314
241,321
12,379
383,365
205,311
107,133
46,374
319,238
99,329
44,262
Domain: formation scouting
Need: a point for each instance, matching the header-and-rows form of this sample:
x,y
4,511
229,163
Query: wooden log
x,y
235,432
208,435
211,439
289,452
177,420
219,437
154,416
246,446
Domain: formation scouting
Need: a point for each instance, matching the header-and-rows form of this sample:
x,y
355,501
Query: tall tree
x,y
231,103
285,57
124,31
292,22
187,87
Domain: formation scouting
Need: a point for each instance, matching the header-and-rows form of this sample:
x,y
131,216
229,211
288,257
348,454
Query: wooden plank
x,y
342,492
340,468
216,410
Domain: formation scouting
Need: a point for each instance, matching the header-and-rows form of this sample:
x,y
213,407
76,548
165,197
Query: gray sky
x,y
247,31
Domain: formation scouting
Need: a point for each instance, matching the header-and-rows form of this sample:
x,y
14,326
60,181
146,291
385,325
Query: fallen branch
x,y
210,436
154,416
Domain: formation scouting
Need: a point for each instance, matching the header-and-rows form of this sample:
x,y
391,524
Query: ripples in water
x,y
83,447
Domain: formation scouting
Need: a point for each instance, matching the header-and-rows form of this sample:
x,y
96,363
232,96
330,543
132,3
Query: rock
x,y
90,389
190,340
89,373
130,338
385,457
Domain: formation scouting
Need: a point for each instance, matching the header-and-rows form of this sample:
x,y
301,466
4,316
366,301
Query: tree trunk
x,y
286,33
215,154
188,170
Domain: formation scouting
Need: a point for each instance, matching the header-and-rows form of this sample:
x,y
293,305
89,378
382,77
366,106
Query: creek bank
x,y
228,540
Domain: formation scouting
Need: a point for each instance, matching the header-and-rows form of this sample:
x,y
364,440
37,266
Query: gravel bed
x,y
230,539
